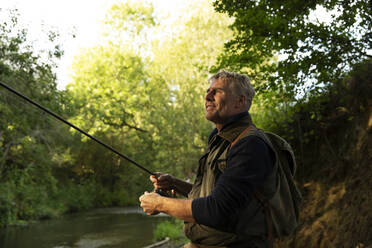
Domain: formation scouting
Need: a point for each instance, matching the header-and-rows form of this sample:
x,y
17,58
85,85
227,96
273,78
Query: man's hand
x,y
153,203
162,181
167,182
150,202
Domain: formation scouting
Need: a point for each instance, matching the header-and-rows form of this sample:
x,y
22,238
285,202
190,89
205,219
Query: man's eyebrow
x,y
214,88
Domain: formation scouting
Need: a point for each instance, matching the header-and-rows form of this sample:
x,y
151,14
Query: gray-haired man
x,y
221,210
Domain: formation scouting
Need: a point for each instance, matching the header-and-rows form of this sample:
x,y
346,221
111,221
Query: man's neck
x,y
229,120
219,126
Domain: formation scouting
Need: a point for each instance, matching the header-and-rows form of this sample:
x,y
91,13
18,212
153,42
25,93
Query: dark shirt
x,y
249,162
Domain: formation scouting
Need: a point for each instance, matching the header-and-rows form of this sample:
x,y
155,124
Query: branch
x,y
122,124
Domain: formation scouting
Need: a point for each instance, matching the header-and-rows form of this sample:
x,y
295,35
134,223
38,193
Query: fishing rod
x,y
76,128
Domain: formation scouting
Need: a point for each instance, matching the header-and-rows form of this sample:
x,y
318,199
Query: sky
x,y
83,18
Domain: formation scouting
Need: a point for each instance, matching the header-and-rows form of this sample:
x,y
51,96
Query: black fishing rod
x,y
76,128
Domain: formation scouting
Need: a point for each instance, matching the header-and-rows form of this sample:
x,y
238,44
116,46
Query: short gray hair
x,y
240,84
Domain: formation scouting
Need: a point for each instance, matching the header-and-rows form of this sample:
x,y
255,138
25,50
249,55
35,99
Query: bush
x,y
171,229
23,199
77,197
123,198
8,213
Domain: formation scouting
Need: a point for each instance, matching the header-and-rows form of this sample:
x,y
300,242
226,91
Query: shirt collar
x,y
234,126
234,118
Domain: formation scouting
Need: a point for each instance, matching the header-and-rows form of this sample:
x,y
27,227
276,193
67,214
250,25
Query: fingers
x,y
147,197
155,182
148,203
153,179
161,181
157,177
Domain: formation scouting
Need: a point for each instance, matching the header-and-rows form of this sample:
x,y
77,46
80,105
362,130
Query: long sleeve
x,y
249,162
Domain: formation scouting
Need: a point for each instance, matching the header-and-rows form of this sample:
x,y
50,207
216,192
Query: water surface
x,y
100,228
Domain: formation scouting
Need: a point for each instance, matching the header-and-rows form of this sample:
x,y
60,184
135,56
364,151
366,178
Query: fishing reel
x,y
165,193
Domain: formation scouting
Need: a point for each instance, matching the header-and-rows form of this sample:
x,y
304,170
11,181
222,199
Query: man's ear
x,y
240,103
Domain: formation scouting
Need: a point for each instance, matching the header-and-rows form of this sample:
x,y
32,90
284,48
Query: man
x,y
221,209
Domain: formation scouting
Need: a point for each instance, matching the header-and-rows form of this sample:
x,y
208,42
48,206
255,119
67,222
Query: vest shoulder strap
x,y
241,135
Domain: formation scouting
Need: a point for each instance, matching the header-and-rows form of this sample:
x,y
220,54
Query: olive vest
x,y
251,220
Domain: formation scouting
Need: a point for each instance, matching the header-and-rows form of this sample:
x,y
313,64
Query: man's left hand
x,y
150,202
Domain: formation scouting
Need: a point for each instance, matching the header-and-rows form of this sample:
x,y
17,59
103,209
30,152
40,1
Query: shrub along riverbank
x,y
22,201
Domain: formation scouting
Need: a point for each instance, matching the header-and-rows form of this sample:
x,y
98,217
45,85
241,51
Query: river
x,y
99,228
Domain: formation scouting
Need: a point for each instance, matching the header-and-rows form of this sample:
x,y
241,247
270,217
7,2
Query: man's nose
x,y
209,96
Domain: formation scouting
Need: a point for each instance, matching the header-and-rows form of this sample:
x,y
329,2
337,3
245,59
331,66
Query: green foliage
x,y
149,105
171,229
310,125
132,17
36,160
77,197
141,95
182,61
23,198
317,52
103,197
7,204
25,141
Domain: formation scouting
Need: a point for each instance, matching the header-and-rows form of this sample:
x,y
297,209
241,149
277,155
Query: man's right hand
x,y
162,181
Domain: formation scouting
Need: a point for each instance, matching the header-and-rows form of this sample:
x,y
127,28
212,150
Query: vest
x,y
251,220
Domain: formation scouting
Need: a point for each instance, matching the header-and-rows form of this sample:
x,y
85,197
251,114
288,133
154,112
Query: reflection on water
x,y
100,228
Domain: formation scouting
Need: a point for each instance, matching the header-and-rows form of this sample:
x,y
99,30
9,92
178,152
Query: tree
x,y
25,71
183,59
316,52
113,96
145,94
28,139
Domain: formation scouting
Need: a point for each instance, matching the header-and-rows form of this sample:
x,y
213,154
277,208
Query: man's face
x,y
220,103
